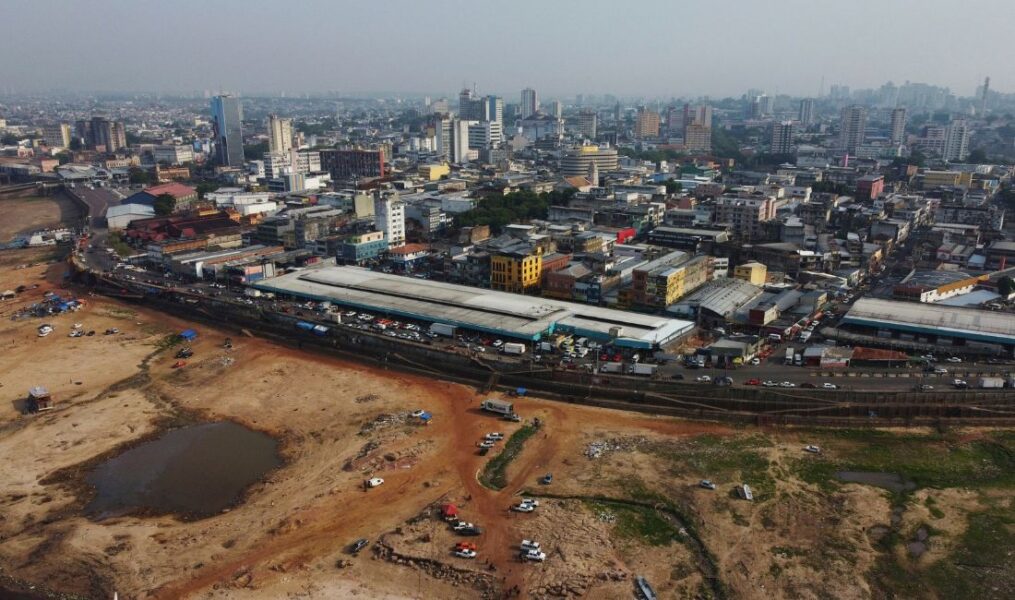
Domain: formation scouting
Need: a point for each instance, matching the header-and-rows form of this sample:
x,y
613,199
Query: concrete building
x,y
754,273
852,129
389,217
781,140
745,215
57,135
530,103
353,163
516,270
484,134
697,128
280,134
586,124
806,114
898,126
934,286
578,162
646,124
173,154
956,146
101,134
227,116
361,248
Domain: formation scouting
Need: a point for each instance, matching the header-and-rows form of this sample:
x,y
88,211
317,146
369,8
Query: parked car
x,y
373,482
703,379
960,384
812,449
547,479
940,371
769,383
707,484
528,545
523,508
753,381
787,384
358,545
829,386
495,436
534,555
808,385
465,553
954,359
755,361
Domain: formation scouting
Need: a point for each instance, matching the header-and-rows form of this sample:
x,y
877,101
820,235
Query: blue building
x,y
361,248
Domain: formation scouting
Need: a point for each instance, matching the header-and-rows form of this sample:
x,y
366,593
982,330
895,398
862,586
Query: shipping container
x,y
497,406
252,292
611,367
514,348
642,369
991,382
789,355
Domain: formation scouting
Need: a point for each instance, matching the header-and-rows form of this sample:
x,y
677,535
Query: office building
x,y
353,163
806,116
56,135
298,161
557,109
280,134
956,141
389,217
646,124
101,134
898,128
587,124
484,134
530,103
763,106
852,127
493,109
173,154
227,114
782,138
697,123
578,162
470,108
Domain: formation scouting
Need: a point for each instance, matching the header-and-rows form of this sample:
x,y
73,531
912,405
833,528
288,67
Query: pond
x,y
196,471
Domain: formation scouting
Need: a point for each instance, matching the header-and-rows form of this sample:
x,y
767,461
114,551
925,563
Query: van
x,y
775,337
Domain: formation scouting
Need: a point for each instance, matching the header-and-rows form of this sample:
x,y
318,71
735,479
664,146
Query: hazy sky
x,y
651,48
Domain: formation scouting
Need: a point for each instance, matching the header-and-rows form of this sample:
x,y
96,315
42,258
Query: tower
x,y
983,96
898,134
280,134
226,114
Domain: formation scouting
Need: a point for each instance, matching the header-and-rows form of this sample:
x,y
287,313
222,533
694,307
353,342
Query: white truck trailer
x,y
514,348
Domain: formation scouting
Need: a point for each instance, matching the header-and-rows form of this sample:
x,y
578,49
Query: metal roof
x,y
500,313
949,321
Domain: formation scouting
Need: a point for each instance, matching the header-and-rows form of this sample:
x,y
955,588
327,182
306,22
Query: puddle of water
x,y
196,471
890,481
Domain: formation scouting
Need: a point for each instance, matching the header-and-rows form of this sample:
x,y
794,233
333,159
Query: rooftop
x,y
968,323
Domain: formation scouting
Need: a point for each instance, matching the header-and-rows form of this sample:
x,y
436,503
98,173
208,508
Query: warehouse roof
x,y
510,315
950,321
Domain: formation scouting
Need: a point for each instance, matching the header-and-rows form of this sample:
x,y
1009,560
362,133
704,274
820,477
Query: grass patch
x,y
168,341
733,459
638,523
932,460
494,475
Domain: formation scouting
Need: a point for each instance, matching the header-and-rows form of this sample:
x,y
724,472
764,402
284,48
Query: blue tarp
x,y
188,334
521,391
425,416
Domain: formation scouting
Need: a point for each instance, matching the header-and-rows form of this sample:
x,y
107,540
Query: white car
x,y
530,545
496,436
940,371
707,484
485,444
418,413
465,553
534,555
530,501
769,383
829,386
787,384
929,357
954,359
755,361
523,508
463,525
704,379
374,482
498,343
812,449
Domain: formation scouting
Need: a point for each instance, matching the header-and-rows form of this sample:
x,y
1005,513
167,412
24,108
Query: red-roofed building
x,y
185,195
408,256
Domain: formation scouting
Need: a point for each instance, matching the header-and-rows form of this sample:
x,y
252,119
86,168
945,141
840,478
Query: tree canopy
x,y
1005,286
255,151
499,211
165,204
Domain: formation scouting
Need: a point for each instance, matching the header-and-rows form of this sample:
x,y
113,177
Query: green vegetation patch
x,y
639,523
928,460
494,475
117,244
732,459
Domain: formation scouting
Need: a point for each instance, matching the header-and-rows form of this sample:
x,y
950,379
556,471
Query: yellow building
x,y
647,124
433,172
752,272
515,272
933,179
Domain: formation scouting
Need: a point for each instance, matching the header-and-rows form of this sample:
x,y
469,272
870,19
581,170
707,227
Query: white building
x,y
956,141
484,134
389,217
245,203
280,134
119,217
173,154
303,161
530,103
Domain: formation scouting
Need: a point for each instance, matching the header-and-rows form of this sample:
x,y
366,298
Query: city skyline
x,y
652,63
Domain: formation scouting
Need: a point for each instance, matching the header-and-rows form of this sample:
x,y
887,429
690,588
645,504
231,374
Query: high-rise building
x,y
102,134
470,108
389,217
806,116
280,134
227,114
343,164
557,109
647,123
530,103
957,141
782,138
587,124
852,127
56,135
983,96
493,109
697,123
442,136
898,133
578,161
484,134
765,105
460,149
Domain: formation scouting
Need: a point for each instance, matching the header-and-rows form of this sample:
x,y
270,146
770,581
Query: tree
x,y
139,176
978,156
672,187
255,151
165,204
63,157
1005,286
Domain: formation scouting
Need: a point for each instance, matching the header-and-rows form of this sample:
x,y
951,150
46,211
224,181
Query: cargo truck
x,y
514,348
442,329
991,383
252,292
611,367
642,369
789,356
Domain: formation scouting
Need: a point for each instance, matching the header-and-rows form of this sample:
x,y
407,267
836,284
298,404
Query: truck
x,y
789,355
252,292
497,406
991,383
546,347
303,325
514,348
642,369
798,359
443,329
320,330
611,367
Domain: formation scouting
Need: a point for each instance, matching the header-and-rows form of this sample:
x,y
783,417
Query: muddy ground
x,y
624,501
